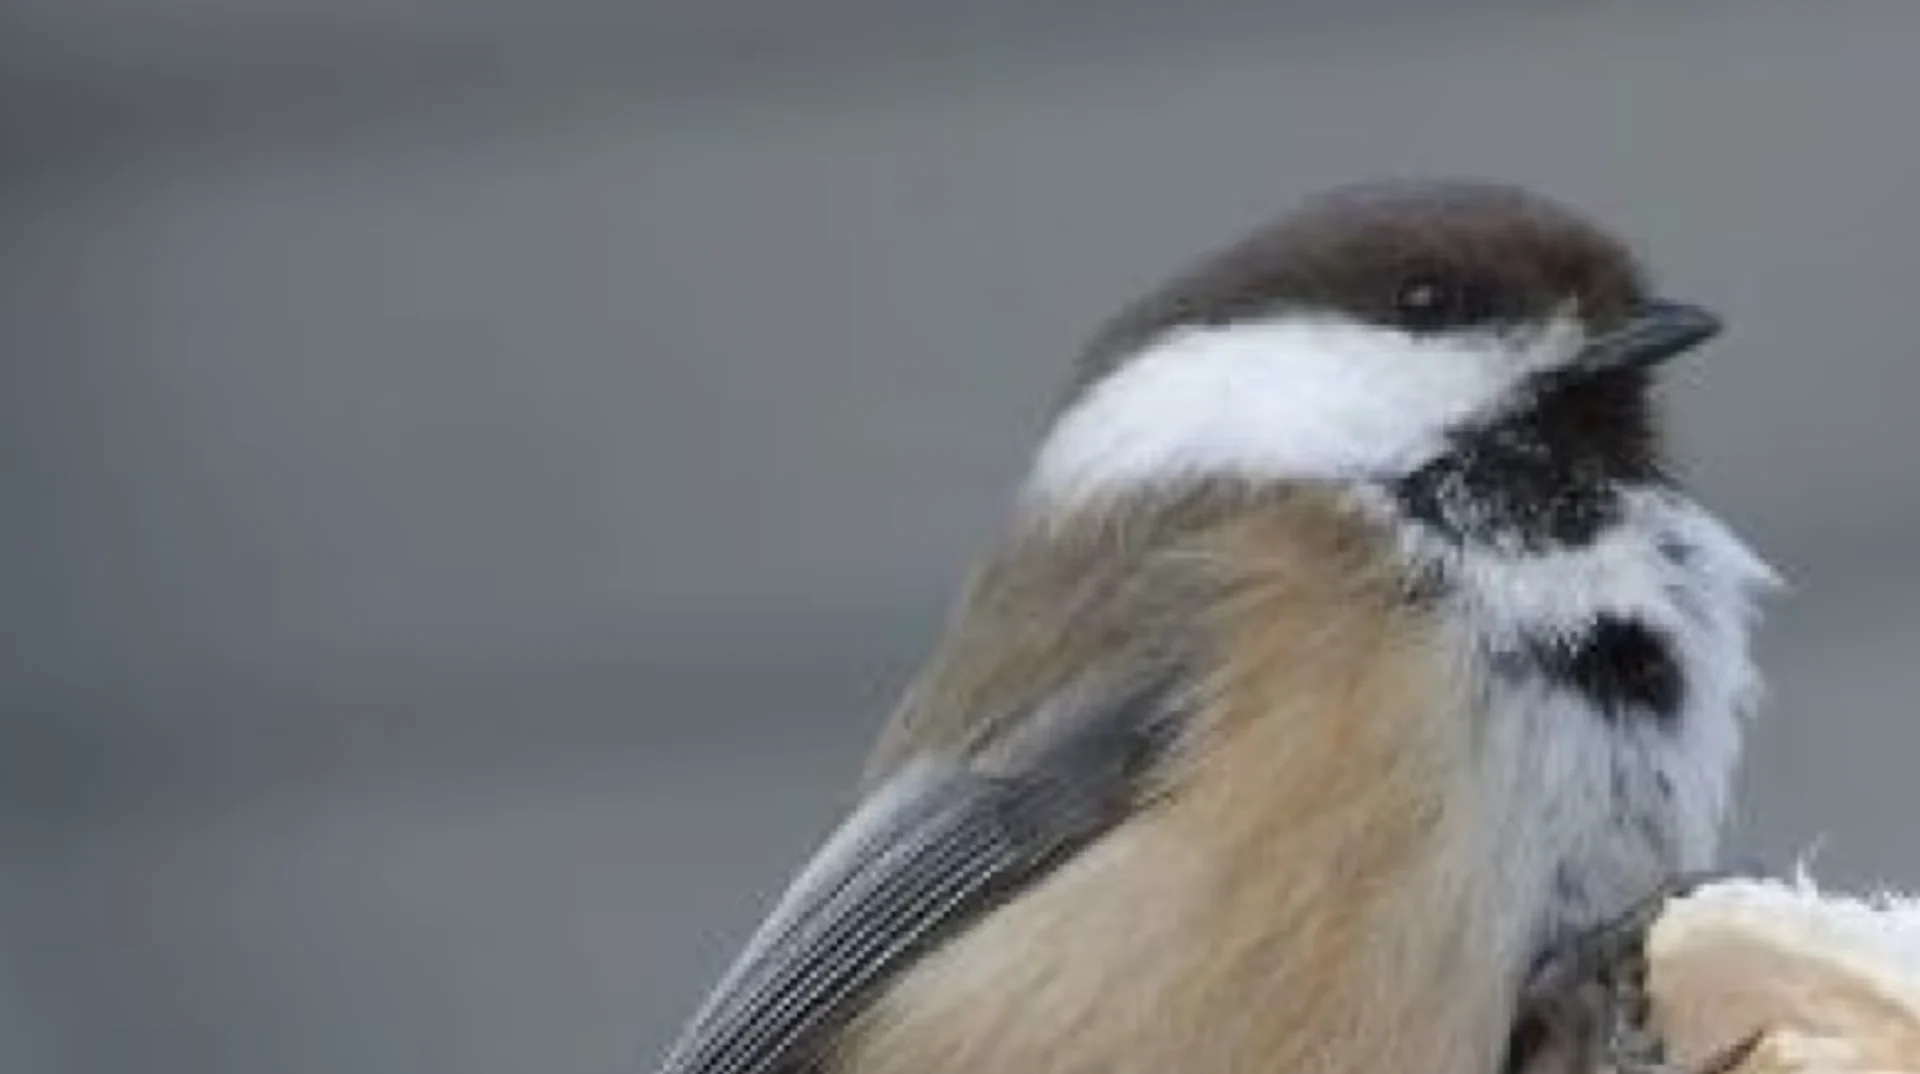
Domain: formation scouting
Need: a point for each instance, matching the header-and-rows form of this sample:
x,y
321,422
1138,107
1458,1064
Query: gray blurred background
x,y
474,473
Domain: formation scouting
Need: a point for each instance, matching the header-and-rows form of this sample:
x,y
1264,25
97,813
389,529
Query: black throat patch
x,y
1546,475
1626,669
1549,476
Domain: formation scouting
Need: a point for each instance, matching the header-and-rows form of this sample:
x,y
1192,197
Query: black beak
x,y
1655,332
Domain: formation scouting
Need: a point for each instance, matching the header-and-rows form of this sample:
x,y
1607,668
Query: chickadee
x,y
1349,656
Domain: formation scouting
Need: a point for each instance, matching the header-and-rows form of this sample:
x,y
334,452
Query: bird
x,y
1351,664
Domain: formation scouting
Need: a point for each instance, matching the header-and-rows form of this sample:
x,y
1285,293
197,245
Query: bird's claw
x,y
1594,987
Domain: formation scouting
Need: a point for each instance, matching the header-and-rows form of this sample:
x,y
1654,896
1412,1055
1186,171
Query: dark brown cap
x,y
1423,255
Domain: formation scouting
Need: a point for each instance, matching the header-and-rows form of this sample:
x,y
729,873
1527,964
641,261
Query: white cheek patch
x,y
1320,398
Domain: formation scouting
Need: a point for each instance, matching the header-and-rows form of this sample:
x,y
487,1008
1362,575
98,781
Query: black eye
x,y
1431,303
